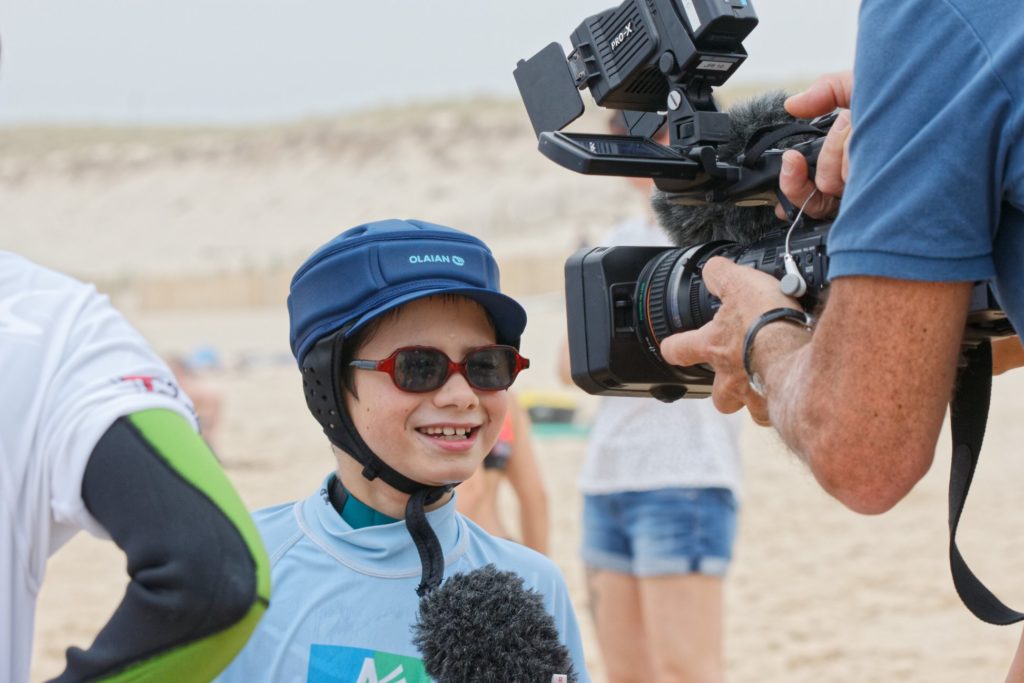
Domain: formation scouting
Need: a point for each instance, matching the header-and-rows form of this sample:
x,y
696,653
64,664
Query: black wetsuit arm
x,y
199,574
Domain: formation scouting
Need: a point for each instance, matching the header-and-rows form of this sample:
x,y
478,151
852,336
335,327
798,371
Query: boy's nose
x,y
456,391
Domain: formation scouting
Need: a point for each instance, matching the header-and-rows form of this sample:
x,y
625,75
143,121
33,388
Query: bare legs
x,y
1016,674
665,629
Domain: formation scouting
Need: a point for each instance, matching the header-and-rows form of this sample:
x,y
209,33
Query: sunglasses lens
x,y
491,368
420,369
423,369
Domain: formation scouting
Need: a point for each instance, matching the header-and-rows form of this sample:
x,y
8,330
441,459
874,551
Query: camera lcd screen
x,y
622,146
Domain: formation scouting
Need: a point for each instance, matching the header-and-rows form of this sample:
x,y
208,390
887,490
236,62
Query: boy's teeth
x,y
446,431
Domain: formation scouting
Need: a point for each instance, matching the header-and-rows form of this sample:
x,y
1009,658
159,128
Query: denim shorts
x,y
665,531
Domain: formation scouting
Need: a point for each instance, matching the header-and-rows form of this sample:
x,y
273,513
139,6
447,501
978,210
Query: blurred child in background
x,y
513,460
660,484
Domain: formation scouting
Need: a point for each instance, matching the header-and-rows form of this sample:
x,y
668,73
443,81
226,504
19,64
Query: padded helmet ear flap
x,y
320,380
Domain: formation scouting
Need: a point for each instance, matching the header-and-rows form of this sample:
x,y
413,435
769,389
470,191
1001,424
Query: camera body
x,y
624,301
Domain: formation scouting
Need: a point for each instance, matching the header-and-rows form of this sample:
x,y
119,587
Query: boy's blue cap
x,y
376,267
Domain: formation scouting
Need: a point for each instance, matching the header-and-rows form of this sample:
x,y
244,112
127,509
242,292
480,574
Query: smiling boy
x,y
406,347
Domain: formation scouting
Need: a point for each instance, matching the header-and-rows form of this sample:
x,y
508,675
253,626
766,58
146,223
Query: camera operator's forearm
x,y
791,414
840,444
863,403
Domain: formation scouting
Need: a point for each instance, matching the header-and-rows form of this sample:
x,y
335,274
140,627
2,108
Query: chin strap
x,y
429,548
322,385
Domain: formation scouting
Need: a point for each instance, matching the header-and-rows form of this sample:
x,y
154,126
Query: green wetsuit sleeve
x,y
200,577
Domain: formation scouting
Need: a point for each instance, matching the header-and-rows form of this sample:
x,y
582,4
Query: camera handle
x,y
968,416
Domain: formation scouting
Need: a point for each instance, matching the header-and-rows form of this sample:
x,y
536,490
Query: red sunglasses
x,y
419,369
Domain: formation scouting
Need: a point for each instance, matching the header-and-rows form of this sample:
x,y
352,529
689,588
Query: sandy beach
x,y
195,233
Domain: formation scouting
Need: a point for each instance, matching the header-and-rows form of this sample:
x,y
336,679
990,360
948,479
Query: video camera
x,y
658,61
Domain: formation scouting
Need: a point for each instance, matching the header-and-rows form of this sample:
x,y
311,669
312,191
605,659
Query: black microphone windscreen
x,y
695,224
487,626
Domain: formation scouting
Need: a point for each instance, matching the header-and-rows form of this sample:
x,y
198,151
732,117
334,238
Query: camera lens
x,y
670,293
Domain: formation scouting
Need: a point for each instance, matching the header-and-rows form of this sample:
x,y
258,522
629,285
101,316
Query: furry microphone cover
x,y
487,626
688,225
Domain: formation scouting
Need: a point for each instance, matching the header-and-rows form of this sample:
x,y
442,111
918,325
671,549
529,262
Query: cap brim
x,y
508,316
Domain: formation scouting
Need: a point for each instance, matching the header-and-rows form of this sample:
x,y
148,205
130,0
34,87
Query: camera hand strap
x,y
769,137
968,415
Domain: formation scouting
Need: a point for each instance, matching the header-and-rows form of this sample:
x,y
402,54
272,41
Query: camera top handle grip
x,y
760,164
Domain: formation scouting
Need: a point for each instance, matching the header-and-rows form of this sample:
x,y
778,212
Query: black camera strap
x,y
968,415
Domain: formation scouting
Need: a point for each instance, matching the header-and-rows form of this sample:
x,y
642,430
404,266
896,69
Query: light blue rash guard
x,y
345,599
936,187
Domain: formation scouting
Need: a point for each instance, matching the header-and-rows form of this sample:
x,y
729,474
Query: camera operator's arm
x,y
863,399
828,93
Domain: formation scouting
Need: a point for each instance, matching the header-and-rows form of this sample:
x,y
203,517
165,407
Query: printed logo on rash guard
x,y
150,384
336,664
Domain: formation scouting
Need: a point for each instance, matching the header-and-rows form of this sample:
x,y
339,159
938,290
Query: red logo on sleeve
x,y
146,381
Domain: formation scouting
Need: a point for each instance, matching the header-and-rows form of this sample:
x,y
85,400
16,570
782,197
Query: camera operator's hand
x,y
746,293
824,96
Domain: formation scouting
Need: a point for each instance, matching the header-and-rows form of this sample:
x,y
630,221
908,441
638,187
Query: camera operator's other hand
x,y
828,93
746,293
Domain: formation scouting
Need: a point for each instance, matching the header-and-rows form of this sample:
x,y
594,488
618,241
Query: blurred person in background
x,y
207,398
514,460
660,484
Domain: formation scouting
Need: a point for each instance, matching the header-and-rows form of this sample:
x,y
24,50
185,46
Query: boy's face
x,y
395,424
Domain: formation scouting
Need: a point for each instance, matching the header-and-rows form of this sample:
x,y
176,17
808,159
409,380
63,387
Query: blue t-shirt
x,y
936,187
345,599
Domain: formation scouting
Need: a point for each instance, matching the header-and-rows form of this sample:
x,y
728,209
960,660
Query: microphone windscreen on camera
x,y
487,626
695,224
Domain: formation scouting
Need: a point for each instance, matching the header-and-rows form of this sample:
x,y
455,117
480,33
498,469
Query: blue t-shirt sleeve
x,y
933,130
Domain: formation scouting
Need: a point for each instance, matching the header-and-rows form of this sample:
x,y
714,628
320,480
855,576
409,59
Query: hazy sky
x,y
234,61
